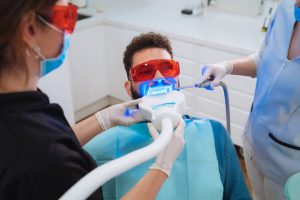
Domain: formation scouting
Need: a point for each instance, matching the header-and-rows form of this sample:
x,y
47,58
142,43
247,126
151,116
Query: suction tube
x,y
96,178
226,96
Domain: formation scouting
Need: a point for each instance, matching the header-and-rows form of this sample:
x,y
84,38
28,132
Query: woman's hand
x,y
165,159
124,114
218,71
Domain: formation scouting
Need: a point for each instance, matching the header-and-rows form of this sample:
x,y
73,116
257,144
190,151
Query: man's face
x,y
141,57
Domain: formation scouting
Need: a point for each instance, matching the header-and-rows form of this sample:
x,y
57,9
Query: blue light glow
x,y
157,86
130,112
168,104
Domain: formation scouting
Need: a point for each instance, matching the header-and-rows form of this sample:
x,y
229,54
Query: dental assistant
x,y
272,134
41,155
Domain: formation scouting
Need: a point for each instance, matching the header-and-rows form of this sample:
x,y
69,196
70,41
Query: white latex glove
x,y
218,70
119,114
165,159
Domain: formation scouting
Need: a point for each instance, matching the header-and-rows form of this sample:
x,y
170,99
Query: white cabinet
x,y
89,68
241,90
117,40
186,54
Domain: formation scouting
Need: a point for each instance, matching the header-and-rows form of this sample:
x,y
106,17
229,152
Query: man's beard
x,y
134,93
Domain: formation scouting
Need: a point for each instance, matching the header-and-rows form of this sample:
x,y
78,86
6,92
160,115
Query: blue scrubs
x,y
272,135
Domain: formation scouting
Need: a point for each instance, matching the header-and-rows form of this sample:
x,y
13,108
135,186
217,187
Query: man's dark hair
x,y
145,41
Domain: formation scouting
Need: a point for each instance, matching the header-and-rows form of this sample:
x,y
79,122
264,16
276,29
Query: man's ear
x,y
127,86
29,29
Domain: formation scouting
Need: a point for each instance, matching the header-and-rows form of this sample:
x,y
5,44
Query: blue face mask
x,y
297,13
47,65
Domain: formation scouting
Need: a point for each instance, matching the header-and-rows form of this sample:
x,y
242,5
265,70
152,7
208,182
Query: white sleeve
x,y
256,57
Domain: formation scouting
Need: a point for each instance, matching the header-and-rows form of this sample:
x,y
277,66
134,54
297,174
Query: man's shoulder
x,y
217,127
220,134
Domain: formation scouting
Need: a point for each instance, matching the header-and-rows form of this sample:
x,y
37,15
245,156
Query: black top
x,y
40,155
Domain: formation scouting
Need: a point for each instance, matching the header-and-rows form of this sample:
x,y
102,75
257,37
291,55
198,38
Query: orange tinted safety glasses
x,y
147,70
64,17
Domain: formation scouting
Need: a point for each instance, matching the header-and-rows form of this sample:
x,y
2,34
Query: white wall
x,y
57,86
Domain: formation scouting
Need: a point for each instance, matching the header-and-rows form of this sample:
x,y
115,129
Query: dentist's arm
x,y
245,67
105,119
148,187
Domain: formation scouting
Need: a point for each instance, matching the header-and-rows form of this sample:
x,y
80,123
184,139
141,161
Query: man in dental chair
x,y
206,169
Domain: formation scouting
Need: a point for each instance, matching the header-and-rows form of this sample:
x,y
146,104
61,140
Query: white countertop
x,y
233,32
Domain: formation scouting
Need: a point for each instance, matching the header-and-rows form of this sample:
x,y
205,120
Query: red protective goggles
x,y
147,70
63,17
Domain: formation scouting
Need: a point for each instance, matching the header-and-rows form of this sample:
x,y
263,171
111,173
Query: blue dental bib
x,y
195,174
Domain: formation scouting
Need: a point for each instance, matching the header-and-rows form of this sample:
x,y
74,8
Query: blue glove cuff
x,y
297,13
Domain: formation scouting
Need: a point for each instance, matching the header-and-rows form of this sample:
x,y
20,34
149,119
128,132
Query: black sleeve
x,y
55,174
230,171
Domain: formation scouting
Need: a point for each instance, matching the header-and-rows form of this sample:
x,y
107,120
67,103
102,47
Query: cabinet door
x,y
117,40
89,69
186,54
241,89
57,86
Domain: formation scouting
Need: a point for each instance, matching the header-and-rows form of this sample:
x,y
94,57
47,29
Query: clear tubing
x,y
96,178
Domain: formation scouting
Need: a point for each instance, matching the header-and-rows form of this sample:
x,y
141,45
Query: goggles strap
x,y
48,24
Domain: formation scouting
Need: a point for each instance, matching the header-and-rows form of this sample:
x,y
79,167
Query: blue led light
x,y
168,104
157,86
159,90
129,112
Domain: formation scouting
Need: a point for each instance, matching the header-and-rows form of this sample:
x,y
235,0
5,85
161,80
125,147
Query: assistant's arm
x,y
105,119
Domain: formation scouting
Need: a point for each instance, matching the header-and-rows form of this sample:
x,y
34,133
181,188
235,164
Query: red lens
x,y
64,17
147,70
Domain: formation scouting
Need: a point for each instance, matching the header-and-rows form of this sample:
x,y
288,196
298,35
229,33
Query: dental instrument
x,y
163,105
226,96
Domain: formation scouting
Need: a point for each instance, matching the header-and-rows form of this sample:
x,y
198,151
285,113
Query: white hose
x,y
96,178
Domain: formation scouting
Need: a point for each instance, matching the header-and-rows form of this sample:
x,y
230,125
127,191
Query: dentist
x,y
272,134
41,155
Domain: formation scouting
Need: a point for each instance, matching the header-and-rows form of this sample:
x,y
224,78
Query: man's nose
x,y
158,75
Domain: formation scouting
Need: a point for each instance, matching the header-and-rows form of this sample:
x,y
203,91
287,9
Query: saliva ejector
x,y
162,104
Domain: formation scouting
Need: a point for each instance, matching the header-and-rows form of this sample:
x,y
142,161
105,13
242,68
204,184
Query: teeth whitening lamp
x,y
163,106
